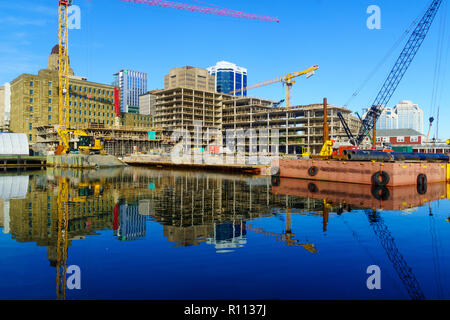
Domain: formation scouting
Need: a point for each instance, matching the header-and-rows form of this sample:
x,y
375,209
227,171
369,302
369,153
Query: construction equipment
x,y
286,236
88,144
327,148
398,71
306,152
63,221
63,75
286,80
216,11
63,70
428,135
86,189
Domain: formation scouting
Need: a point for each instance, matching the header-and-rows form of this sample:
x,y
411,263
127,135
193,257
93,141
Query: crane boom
x,y
398,71
286,78
401,267
216,11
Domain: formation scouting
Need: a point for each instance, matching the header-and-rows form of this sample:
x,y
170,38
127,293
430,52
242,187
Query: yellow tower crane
x,y
287,80
63,76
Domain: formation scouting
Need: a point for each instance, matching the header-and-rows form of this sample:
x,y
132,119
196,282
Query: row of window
x,y
91,90
81,89
399,139
49,92
32,83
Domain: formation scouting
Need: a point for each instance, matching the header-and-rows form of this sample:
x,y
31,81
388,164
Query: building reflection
x,y
193,207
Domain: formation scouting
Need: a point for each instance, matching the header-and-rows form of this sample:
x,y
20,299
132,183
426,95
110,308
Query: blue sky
x,y
331,33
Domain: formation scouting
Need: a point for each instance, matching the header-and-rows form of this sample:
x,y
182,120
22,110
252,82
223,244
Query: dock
x,y
22,162
165,162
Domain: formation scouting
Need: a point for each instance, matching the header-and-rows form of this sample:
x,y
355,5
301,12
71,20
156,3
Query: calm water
x,y
154,234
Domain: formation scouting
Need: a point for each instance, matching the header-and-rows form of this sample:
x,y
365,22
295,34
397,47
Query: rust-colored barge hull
x,y
364,196
361,172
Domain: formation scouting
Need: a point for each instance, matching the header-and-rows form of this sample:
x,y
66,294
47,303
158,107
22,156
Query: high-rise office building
x,y
388,119
229,77
410,116
189,78
131,84
405,115
147,103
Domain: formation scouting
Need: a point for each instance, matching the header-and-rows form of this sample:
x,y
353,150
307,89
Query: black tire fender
x,y
380,178
381,193
313,171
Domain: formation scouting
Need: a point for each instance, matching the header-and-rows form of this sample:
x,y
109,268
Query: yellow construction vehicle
x,y
86,190
327,149
86,144
306,153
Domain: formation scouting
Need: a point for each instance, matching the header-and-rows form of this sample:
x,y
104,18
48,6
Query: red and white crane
x,y
209,10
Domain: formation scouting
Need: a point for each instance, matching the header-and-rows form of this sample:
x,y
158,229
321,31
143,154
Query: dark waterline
x,y
140,233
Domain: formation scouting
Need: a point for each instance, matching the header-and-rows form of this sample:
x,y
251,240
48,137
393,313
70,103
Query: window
x,y
49,118
400,139
50,84
31,92
50,101
30,126
31,100
49,109
31,84
415,139
31,108
49,92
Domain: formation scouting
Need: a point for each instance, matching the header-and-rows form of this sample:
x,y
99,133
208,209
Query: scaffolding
x,y
119,141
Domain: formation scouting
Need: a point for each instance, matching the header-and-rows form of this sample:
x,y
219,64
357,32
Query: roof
x,y
398,133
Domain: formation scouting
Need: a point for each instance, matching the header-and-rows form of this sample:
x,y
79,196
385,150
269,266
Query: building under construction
x,y
118,141
298,126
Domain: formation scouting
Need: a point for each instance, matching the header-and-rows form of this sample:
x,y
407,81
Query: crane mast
x,y
398,71
63,75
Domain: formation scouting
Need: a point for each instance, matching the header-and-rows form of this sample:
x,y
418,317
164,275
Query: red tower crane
x,y
209,10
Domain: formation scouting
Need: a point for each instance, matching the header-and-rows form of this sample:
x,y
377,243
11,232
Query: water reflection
x,y
193,208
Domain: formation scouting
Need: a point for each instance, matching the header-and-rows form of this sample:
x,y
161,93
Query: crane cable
x,y
385,57
442,55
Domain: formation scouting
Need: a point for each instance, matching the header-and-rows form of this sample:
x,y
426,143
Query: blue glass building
x,y
229,77
131,84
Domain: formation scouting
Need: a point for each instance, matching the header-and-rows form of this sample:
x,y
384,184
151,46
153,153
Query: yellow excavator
x,y
87,144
